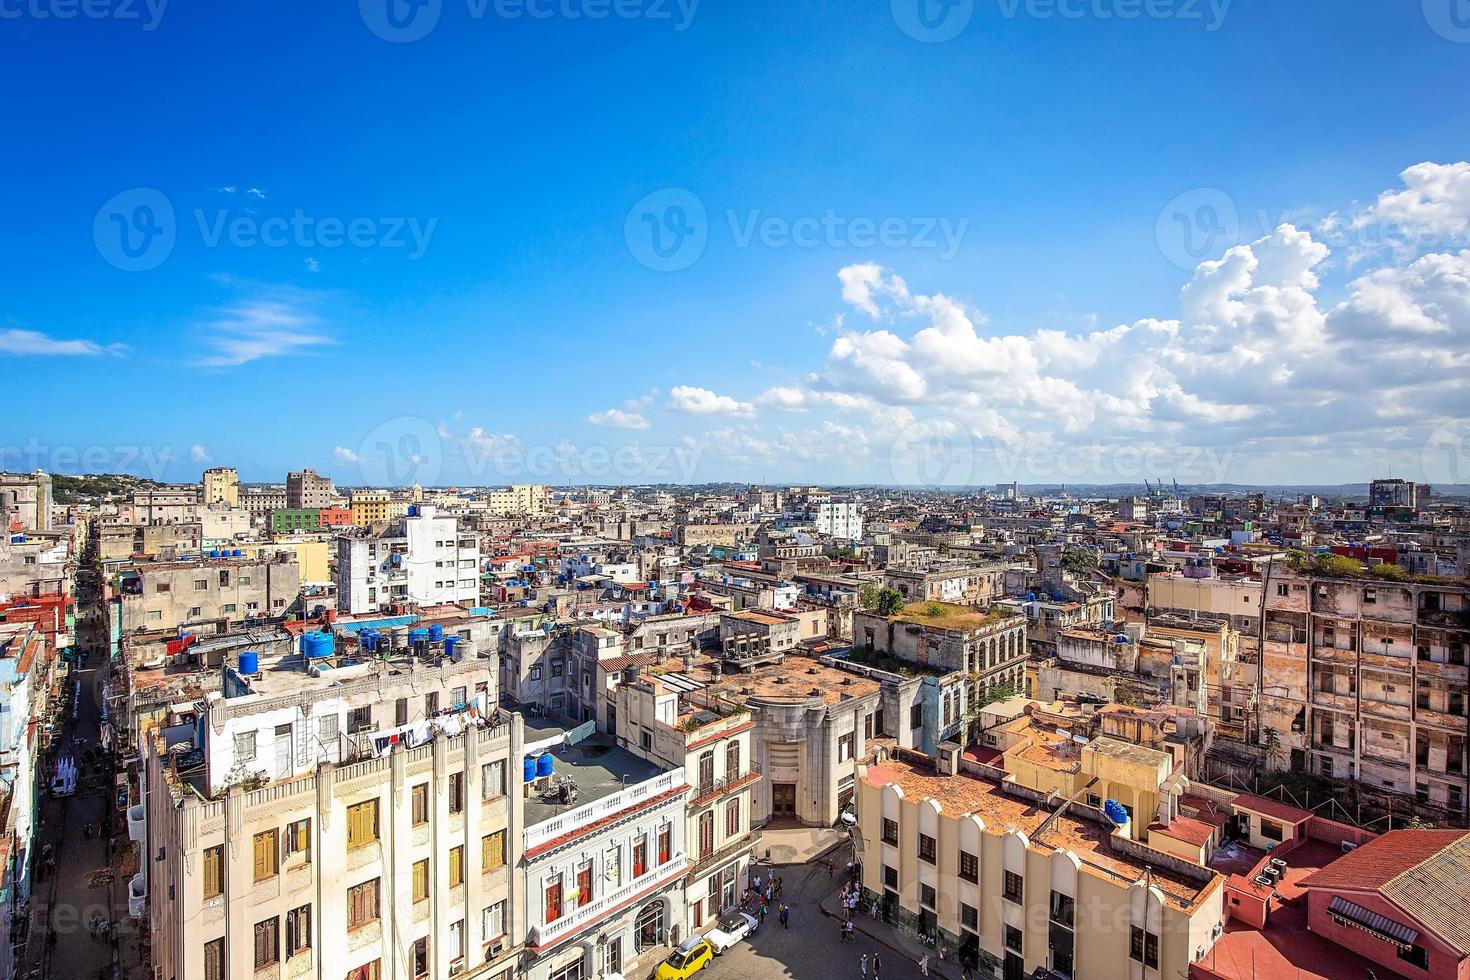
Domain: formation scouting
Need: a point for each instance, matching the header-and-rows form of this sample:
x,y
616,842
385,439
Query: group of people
x,y
764,895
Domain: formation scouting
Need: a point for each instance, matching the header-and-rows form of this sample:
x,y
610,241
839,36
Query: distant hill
x,y
74,489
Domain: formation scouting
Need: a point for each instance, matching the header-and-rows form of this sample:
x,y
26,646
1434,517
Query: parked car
x,y
693,955
735,926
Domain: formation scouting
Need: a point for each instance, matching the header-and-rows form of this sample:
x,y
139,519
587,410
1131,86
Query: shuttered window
x,y
362,823
214,871
492,851
267,855
456,866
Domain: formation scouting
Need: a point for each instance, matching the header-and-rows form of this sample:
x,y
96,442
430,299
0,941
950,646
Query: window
x,y
732,761
492,780
326,726
200,584
928,849
535,673
214,871
420,880
916,716
362,823
640,857
1415,955
492,851
362,904
419,959
267,942
493,921
456,866
969,866
298,838
969,917
298,930
360,719
890,876
1014,939
368,971
1271,830
267,855
553,898
400,711
1143,947
214,959
456,946
665,842
1015,887
244,746
645,739
890,831
845,747
431,704
456,792
1062,909
706,834
420,804
648,927
926,896
732,818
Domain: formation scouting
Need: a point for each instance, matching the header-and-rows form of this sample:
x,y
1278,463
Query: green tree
x,y
1079,560
868,597
889,601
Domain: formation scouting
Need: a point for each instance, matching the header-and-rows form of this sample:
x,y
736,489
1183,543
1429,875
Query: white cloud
x,y
344,455
701,401
281,322
33,342
256,192
785,398
1433,207
617,418
312,265
198,453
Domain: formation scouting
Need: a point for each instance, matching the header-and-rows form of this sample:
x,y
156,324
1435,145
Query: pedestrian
x,y
877,965
763,911
924,965
757,882
785,916
779,883
847,931
863,965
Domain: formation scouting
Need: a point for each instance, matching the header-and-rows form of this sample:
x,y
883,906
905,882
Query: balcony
x,y
1443,671
585,817
1456,618
733,848
583,916
1339,702
1440,719
137,824
137,896
709,789
1385,709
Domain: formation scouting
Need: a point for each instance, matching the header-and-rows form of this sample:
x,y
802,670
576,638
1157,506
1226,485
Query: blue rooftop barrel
x,y
436,632
249,662
545,765
317,644
528,769
1116,813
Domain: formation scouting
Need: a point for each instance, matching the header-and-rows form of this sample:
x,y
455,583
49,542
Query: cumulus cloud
x,y
617,418
701,401
345,456
1433,204
198,453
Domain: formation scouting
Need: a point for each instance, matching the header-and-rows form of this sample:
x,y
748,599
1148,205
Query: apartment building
x,y
161,595
655,718
604,858
525,499
260,501
839,519
220,485
989,645
1017,880
966,585
166,505
1367,679
422,558
308,490
26,499
371,507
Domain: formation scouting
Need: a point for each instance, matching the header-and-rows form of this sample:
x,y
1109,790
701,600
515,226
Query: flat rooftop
x,y
1092,842
597,767
795,678
949,616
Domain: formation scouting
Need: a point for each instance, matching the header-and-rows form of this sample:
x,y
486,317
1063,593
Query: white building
x,y
422,558
840,519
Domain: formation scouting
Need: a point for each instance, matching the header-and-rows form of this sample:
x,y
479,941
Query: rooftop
x,y
965,794
796,678
595,766
949,616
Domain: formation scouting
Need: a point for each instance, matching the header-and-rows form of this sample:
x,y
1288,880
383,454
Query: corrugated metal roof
x,y
1434,892
1351,914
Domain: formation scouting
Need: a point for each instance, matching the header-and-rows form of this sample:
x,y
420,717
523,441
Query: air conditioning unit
x,y
495,950
1348,845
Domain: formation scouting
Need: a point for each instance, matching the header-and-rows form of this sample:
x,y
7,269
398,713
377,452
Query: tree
x,y
889,601
1078,560
868,596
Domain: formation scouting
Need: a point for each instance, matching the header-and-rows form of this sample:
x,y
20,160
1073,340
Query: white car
x,y
734,926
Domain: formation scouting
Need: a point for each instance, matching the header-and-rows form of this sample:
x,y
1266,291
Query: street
x,y
812,946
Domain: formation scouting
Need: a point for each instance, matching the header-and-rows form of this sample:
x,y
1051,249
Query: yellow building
x,y
376,507
221,485
1012,880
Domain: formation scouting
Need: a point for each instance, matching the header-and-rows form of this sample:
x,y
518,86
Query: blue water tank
x,y
545,765
1030,596
317,644
237,553
398,559
436,632
418,635
368,640
249,662
1116,813
528,769
450,642
413,510
214,552
1121,638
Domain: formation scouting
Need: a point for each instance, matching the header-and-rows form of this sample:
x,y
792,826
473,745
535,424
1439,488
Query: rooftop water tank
x,y
236,553
249,662
436,632
1116,813
545,765
317,644
214,552
413,510
528,769
418,635
1121,638
1030,596
368,639
450,642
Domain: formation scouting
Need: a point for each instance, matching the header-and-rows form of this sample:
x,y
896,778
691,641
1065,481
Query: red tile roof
x,y
1384,858
1271,808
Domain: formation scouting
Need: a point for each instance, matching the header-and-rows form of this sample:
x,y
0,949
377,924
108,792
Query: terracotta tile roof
x,y
1383,858
1187,829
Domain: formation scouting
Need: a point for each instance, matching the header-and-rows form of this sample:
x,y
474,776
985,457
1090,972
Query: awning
x,y
1354,916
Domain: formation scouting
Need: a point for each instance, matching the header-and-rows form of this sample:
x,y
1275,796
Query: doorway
x,y
783,799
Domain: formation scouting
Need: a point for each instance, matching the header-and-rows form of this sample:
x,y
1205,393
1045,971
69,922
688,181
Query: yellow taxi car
x,y
693,955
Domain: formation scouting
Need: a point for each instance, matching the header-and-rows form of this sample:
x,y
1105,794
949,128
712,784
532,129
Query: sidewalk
x,y
798,845
881,932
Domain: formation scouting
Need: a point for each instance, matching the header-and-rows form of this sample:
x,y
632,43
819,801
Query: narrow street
x,y
78,891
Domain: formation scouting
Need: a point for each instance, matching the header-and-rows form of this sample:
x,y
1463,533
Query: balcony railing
x,y
707,789
586,816
585,915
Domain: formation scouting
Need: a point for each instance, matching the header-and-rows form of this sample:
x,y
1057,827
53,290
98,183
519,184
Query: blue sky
x,y
496,317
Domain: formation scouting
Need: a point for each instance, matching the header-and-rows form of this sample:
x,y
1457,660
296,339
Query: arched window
x,y
732,761
648,928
